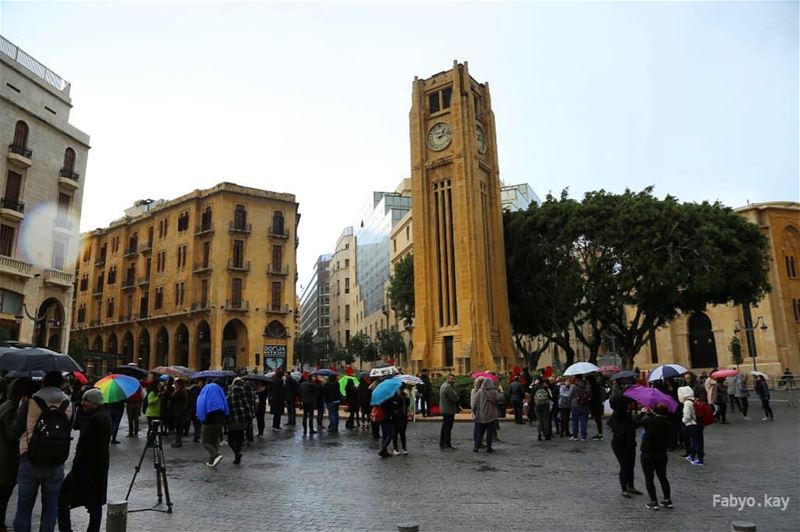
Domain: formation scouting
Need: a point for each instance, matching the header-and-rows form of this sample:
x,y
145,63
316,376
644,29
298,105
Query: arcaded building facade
x,y
42,176
206,280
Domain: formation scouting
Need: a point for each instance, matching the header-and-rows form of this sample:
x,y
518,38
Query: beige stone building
x,y
402,239
343,301
42,175
206,280
462,316
770,330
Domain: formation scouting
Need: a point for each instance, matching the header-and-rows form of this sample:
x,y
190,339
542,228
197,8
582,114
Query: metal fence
x,y
24,59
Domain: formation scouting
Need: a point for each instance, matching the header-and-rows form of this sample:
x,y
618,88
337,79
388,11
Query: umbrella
x,y
270,375
324,372
116,387
213,374
35,375
722,373
609,369
581,368
759,374
173,371
80,377
385,390
343,380
383,371
296,375
256,377
131,371
666,371
411,379
650,397
627,374
33,358
485,375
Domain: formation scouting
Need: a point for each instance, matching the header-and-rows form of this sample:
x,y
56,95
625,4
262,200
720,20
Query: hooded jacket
x,y
686,396
484,402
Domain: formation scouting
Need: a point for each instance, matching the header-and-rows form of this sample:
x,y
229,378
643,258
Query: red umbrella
x,y
609,369
80,377
722,373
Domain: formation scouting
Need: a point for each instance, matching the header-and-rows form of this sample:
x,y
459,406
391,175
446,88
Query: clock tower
x,y
462,319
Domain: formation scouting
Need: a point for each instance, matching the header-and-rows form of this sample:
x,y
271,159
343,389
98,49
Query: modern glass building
x,y
517,197
315,301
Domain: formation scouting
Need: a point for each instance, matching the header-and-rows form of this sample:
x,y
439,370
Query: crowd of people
x,y
37,419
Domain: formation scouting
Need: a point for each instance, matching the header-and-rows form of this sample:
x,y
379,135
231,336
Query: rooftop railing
x,y
24,59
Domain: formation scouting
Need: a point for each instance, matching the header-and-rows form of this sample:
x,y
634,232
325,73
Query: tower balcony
x,y
68,179
12,209
19,154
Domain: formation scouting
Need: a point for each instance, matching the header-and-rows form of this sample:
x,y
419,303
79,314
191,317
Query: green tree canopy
x,y
304,349
401,290
391,343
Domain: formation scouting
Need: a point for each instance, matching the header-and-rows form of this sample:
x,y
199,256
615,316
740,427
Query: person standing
x,y
555,419
179,408
623,441
742,393
194,393
426,391
710,386
541,402
694,430
517,393
364,394
133,409
400,418
310,393
87,482
333,397
351,394
564,408
116,410
580,396
43,427
484,407
448,405
291,388
261,406
277,399
239,415
762,389
9,443
597,397
721,400
389,409
212,409
153,401
730,383
657,428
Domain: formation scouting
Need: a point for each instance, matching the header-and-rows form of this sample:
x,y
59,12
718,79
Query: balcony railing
x,y
12,203
277,309
62,222
124,318
278,233
69,174
19,149
142,281
131,251
206,229
278,269
101,261
146,247
24,59
14,266
234,227
239,305
202,305
61,278
202,267
98,291
129,283
239,266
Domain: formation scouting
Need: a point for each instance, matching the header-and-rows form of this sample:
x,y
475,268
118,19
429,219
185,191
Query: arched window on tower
x,y
20,144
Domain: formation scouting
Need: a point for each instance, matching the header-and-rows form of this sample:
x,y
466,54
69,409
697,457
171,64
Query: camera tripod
x,y
154,442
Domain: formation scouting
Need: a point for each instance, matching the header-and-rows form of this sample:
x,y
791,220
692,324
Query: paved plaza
x,y
337,482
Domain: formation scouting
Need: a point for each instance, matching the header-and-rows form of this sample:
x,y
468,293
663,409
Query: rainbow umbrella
x,y
116,387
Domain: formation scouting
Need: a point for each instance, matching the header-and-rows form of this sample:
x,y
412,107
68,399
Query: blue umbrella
x,y
213,374
324,373
385,390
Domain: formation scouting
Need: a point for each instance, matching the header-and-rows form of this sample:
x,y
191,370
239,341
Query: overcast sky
x,y
698,99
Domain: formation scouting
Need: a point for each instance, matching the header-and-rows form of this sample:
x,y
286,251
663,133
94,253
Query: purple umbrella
x,y
650,397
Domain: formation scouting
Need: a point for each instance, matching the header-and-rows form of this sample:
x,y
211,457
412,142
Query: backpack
x,y
582,396
378,414
541,397
50,437
703,413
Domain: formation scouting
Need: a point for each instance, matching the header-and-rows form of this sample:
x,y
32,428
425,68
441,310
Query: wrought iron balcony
x,y
19,149
204,229
237,306
98,291
277,269
147,247
13,204
143,281
278,232
69,174
101,261
129,283
130,252
239,266
235,227
202,267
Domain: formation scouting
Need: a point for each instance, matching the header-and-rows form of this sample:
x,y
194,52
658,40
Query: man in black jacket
x,y
425,390
290,389
276,399
87,482
310,392
333,397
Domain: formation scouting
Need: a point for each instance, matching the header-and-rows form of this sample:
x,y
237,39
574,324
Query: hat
x,y
93,395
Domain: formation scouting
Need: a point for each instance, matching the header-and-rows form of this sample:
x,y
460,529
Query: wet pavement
x,y
337,482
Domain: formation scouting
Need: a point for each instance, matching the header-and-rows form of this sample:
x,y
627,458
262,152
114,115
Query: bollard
x,y
408,527
117,517
743,526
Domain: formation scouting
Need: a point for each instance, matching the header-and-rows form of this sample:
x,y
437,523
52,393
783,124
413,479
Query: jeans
x,y
624,446
29,478
767,409
400,430
721,409
210,436
133,420
580,416
387,434
543,416
447,429
308,417
694,435
95,518
734,402
743,404
333,415
480,430
555,419
655,464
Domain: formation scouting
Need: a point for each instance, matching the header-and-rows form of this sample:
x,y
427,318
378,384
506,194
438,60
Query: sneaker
x,y
697,462
395,453
404,452
626,494
765,419
573,438
216,460
667,503
688,459
634,491
652,506
598,437
384,454
583,439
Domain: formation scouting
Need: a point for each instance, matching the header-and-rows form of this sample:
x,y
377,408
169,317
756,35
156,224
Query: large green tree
x,y
391,343
362,346
304,349
401,290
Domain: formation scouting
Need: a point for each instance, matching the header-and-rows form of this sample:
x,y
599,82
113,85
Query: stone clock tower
x,y
462,318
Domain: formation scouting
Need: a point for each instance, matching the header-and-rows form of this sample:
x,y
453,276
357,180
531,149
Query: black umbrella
x,y
626,374
131,371
256,377
35,358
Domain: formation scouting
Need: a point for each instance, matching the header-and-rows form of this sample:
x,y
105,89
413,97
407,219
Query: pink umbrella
x,y
609,369
722,373
485,375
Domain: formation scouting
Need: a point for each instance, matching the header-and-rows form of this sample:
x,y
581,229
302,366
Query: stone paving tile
x,y
337,482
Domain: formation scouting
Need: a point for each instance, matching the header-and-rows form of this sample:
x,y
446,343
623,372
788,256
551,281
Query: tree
x,y
341,355
304,349
361,346
78,347
735,347
391,343
401,290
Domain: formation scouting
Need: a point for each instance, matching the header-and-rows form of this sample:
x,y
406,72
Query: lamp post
x,y
749,328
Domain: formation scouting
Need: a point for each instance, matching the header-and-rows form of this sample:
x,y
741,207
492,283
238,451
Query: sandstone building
x,y
206,280
42,176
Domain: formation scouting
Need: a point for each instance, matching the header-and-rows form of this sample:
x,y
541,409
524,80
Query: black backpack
x,y
50,438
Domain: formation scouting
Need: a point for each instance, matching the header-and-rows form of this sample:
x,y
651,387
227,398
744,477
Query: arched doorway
x,y
702,347
162,347
234,345
204,345
97,344
143,360
112,344
49,324
127,347
182,345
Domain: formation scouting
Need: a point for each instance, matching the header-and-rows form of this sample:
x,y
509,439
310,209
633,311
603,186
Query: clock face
x,y
439,136
481,139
